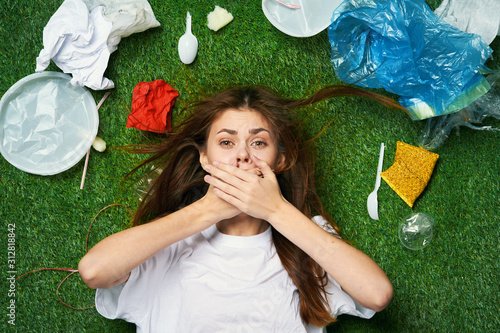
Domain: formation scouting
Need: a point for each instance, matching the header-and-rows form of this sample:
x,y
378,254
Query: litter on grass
x,y
99,144
151,106
411,171
81,35
310,19
403,47
438,129
415,231
218,18
481,17
47,124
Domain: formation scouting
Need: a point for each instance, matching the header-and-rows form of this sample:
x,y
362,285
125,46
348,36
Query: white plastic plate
x,y
46,124
311,18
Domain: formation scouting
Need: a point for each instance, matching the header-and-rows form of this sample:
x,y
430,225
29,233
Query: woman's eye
x,y
225,143
259,144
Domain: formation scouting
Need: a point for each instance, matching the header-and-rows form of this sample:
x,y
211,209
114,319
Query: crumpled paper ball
x,y
151,106
218,18
81,35
99,144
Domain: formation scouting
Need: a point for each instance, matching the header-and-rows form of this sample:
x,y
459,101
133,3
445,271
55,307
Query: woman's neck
x,y
242,225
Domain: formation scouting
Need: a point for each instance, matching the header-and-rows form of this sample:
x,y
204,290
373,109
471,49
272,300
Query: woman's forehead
x,y
240,119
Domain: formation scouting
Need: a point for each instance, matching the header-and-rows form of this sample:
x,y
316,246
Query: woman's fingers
x,y
226,177
252,194
222,185
264,168
232,174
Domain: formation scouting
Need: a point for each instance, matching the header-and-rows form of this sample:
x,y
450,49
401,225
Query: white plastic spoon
x,y
372,201
188,44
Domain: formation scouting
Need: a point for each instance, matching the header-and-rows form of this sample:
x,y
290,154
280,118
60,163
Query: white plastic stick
x,y
88,152
85,169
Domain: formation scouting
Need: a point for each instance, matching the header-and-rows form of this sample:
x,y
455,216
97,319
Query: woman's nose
x,y
243,156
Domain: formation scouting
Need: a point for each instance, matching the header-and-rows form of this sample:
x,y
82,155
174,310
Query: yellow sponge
x,y
411,171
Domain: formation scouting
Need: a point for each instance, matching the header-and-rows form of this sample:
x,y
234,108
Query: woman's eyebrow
x,y
230,131
257,130
251,131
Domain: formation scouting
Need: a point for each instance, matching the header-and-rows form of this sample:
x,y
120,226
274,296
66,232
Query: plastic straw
x,y
88,152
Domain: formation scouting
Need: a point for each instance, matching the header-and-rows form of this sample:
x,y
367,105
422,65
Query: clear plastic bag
x,y
403,47
438,129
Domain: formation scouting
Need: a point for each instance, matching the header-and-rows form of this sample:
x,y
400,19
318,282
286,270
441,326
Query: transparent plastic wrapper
x,y
438,129
143,184
403,47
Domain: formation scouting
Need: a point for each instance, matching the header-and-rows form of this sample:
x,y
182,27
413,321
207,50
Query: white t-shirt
x,y
213,282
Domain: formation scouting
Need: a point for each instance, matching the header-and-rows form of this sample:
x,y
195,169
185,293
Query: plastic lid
x,y
46,124
311,18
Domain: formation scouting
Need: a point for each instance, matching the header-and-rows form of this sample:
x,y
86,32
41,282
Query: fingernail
x,y
216,163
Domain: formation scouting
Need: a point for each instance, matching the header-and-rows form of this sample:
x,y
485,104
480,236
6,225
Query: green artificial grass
x,y
450,286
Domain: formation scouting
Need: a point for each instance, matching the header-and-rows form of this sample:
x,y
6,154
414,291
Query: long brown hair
x,y
180,176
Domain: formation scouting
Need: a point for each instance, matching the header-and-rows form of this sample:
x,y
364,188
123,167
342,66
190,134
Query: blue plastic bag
x,y
403,47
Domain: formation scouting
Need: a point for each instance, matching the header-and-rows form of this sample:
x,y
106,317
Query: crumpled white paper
x,y
128,17
82,34
76,41
481,17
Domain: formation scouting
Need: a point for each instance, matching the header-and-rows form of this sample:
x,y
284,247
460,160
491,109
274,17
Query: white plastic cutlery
x,y
372,202
188,44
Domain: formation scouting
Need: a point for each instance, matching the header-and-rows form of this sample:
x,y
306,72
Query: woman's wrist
x,y
198,215
282,214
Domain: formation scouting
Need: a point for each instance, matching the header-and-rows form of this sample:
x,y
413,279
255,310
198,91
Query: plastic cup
x,y
415,231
